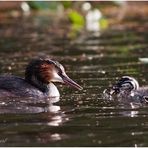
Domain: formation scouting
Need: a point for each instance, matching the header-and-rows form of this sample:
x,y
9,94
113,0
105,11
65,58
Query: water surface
x,y
95,61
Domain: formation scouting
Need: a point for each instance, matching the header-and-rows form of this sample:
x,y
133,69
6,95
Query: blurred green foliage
x,y
76,19
103,23
39,5
52,5
77,22
66,4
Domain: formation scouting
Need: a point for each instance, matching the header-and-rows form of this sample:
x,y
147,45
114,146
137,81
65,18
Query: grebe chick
x,y
38,82
128,88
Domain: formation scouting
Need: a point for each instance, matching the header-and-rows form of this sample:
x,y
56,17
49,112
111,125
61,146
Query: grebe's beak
x,y
70,82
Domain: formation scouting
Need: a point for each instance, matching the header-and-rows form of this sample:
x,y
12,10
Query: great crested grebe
x,y
38,82
128,88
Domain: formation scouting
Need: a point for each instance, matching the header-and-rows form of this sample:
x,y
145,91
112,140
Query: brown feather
x,y
46,72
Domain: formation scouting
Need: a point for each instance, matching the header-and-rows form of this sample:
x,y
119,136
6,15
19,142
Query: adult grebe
x,y
39,75
128,88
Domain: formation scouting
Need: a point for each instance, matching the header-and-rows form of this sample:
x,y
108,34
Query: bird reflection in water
x,y
44,138
55,117
44,118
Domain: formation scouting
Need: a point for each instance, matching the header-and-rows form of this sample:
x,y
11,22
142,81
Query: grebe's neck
x,y
38,84
32,76
53,91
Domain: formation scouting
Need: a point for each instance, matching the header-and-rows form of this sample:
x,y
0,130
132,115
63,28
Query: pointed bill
x,y
70,82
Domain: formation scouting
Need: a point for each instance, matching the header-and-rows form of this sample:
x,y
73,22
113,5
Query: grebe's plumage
x,y
38,82
128,89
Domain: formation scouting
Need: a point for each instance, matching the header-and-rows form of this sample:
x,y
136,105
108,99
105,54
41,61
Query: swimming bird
x,y
40,75
128,89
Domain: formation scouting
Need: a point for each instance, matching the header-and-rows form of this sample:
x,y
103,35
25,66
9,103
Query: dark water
x,y
95,61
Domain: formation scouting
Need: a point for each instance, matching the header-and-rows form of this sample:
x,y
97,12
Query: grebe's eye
x,y
60,72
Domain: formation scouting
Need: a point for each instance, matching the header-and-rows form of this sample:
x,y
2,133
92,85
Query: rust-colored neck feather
x,y
39,73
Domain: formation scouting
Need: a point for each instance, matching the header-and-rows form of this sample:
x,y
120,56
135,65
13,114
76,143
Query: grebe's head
x,y
126,83
44,71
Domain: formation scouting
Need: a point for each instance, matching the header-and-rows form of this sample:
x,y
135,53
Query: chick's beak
x,y
70,82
